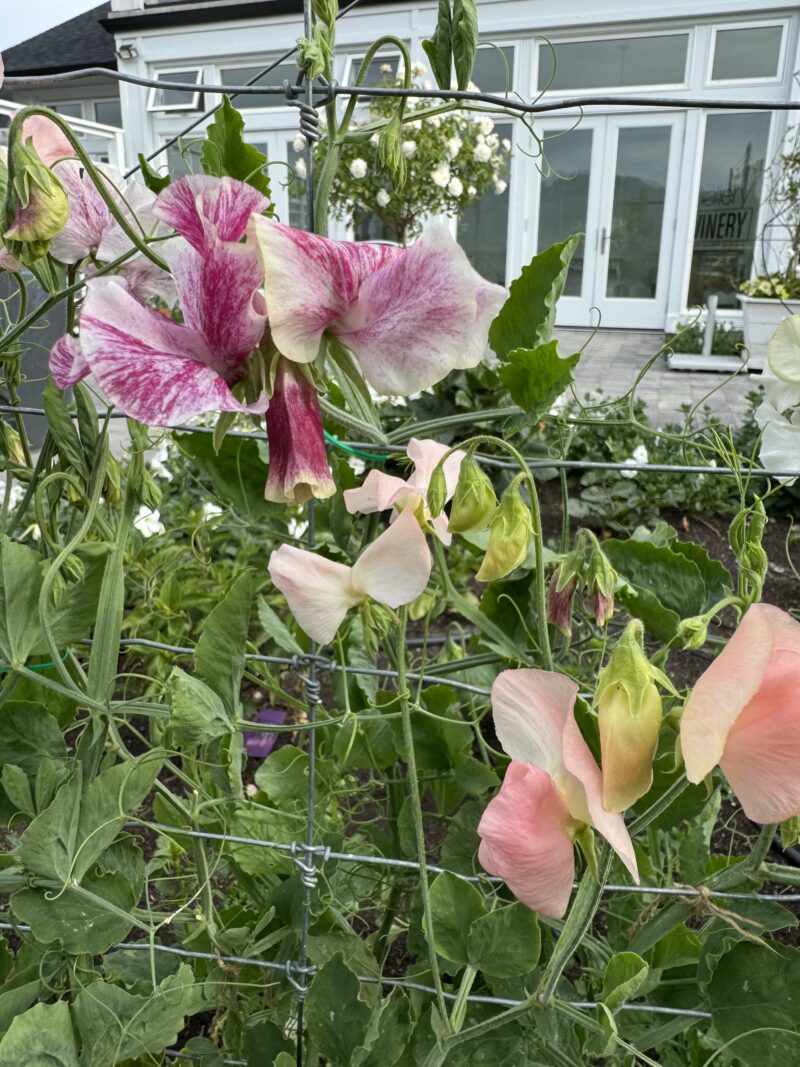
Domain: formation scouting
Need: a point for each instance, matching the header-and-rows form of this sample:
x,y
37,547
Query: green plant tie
x,y
329,437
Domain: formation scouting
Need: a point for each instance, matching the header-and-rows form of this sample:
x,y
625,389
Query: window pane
x,y
731,179
380,69
639,192
494,69
240,75
747,53
614,64
184,158
176,97
72,111
564,196
483,228
108,112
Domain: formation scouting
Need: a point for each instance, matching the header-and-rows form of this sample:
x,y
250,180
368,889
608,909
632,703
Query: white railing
x,y
103,144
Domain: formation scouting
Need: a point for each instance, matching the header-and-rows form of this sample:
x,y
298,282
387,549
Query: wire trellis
x,y
310,857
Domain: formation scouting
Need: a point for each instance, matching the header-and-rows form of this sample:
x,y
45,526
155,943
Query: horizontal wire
x,y
535,463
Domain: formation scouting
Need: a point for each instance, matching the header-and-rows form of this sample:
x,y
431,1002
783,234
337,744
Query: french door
x,y
613,178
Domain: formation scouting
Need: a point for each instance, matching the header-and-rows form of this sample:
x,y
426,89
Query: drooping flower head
x,y
744,714
156,369
408,315
298,463
552,790
381,491
393,570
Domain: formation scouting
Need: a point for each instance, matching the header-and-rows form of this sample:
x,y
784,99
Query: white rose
x,y
485,126
415,125
471,190
386,68
409,149
382,198
500,186
441,175
428,84
455,187
358,168
299,143
418,70
506,144
482,153
149,522
454,146
434,120
493,140
300,168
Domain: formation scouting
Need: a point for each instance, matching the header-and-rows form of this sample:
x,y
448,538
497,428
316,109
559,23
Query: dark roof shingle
x,y
79,42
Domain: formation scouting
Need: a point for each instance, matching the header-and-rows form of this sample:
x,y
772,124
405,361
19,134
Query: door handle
x,y
605,237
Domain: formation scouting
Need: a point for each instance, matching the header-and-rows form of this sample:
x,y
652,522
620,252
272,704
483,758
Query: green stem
x,y
416,808
661,805
467,418
460,1005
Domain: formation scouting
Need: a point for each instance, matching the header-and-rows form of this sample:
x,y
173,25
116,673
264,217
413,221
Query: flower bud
x,y
474,502
36,207
602,582
390,152
559,601
629,716
510,535
436,496
692,633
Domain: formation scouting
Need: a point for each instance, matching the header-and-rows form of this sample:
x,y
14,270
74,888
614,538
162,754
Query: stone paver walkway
x,y
613,358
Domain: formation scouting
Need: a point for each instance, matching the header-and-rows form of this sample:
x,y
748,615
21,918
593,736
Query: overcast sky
x,y
21,19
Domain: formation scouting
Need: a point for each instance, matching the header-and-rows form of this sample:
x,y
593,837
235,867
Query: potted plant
x,y
768,298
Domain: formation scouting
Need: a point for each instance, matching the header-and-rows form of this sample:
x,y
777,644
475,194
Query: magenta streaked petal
x,y
489,299
89,217
298,462
137,205
202,206
310,282
67,363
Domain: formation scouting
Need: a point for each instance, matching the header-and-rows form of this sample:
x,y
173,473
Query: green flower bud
x,y
436,495
474,502
510,535
36,206
692,633
390,152
629,714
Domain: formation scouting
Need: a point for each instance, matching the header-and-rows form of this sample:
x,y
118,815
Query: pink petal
x,y
378,492
396,567
490,298
762,751
725,688
219,296
67,364
331,273
146,280
137,204
154,369
319,591
425,455
298,462
417,318
202,206
48,140
523,840
89,217
529,709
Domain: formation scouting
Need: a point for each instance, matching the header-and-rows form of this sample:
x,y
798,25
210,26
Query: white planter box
x,y
697,361
760,319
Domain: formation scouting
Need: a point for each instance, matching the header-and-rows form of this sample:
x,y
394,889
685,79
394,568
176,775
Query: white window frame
x,y
237,63
104,100
539,41
353,59
754,24
169,74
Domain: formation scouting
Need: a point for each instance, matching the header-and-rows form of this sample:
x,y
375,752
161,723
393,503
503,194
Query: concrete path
x,y
612,359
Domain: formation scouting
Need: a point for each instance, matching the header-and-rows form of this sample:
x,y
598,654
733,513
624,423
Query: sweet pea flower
x,y
408,315
298,463
381,491
779,419
744,715
148,522
394,570
155,369
551,792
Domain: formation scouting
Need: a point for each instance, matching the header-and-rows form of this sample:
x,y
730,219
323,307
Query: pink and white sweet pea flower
x,y
408,315
380,491
393,571
298,461
155,369
552,789
744,714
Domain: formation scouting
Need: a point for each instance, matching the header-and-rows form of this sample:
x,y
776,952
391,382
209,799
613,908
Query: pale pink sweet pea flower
x,y
393,570
744,714
380,491
298,461
551,790
155,369
408,315
50,143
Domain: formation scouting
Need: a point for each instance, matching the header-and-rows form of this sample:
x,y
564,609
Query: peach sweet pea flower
x,y
394,570
744,714
552,790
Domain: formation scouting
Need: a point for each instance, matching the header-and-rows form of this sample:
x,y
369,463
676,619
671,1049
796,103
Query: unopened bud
x,y
693,633
436,495
629,715
559,602
36,205
390,152
509,536
474,502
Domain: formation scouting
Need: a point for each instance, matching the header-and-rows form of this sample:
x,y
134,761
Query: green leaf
x,y
41,1037
336,1017
88,422
62,428
790,831
154,181
237,472
283,775
506,943
17,787
527,317
455,905
464,39
274,627
219,659
754,995
27,733
387,1034
354,389
20,583
116,1026
624,975
73,617
439,49
536,376
197,713
225,151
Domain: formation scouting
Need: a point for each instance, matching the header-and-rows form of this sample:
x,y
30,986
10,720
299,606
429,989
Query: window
x,y
382,68
564,197
747,52
184,157
493,71
731,181
483,228
616,63
176,99
242,75
69,110
109,112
